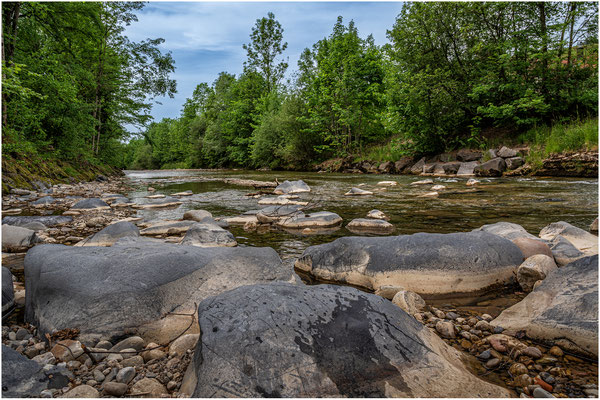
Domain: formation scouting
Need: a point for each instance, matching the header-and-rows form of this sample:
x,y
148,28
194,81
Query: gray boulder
x,y
424,263
321,341
132,286
290,187
564,252
91,204
168,228
417,168
321,219
357,192
467,168
8,292
47,220
468,155
197,215
451,168
109,235
563,307
505,152
21,377
493,167
514,162
208,235
274,214
581,239
507,230
164,202
16,238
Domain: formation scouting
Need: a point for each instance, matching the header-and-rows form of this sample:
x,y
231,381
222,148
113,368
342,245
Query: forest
x,y
452,75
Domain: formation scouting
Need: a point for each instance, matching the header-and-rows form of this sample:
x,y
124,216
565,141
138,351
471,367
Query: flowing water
x,y
527,201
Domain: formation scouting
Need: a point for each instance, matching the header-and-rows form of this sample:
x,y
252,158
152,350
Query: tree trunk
x,y
573,7
543,33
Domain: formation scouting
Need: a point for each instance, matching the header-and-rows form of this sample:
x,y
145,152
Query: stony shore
x,y
106,306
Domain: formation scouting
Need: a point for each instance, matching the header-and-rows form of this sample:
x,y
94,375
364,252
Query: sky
x,y
206,38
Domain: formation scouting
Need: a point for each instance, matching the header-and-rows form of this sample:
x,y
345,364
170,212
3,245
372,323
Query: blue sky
x,y
206,38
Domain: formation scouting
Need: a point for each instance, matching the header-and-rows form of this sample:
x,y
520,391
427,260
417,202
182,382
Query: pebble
x,y
135,361
104,344
483,326
540,393
485,355
556,351
542,384
591,392
46,394
12,336
82,391
451,315
532,352
547,378
446,329
498,329
493,363
171,385
126,375
116,389
22,334
487,317
547,360
523,380
517,369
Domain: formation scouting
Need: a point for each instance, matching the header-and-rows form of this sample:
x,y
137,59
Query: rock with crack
x,y
133,285
322,341
429,264
467,168
208,235
16,238
581,239
281,201
273,214
290,187
371,226
167,228
563,307
321,219
92,204
109,235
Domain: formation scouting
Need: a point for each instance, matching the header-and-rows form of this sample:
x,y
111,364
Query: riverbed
x,y
528,201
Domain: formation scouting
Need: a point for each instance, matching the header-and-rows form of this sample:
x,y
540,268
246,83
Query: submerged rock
x,y
274,214
424,263
564,306
208,235
44,201
423,182
322,341
165,202
109,235
321,219
133,286
357,192
376,214
290,187
582,240
370,225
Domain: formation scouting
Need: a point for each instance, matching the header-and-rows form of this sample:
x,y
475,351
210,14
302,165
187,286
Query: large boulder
x,y
564,252
208,235
322,341
109,235
21,377
417,168
493,167
563,307
8,291
90,204
581,239
466,155
16,238
507,230
467,168
425,263
505,152
290,187
47,220
133,285
44,201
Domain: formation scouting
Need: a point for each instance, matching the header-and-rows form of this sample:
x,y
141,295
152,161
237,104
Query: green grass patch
x,y
390,151
579,135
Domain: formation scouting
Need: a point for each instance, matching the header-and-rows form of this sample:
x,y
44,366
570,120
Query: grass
x,y
574,136
390,151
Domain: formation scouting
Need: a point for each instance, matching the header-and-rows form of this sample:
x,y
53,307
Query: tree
x,y
266,44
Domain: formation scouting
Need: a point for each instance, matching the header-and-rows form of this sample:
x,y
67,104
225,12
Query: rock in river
x,y
274,214
564,306
16,239
321,219
322,341
493,167
357,192
90,204
109,235
208,235
582,240
370,225
47,220
290,187
132,286
424,263
167,228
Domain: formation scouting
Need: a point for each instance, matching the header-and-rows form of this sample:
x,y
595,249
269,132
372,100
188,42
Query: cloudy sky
x,y
206,38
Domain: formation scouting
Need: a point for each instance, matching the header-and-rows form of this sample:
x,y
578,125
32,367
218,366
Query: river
x,y
528,201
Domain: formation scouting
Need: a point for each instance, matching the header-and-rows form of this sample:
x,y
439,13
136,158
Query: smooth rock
x,y
125,375
493,167
514,163
290,187
109,235
151,387
133,287
564,306
165,202
357,192
321,219
273,214
346,343
167,228
67,350
376,214
132,342
582,240
505,152
21,377
564,252
8,293
594,226
90,204
540,393
446,329
369,225
82,391
16,239
387,183
472,182
115,389
44,201
467,168
184,343
410,302
424,263
197,215
532,352
134,361
507,230
422,182
208,235
533,269
530,247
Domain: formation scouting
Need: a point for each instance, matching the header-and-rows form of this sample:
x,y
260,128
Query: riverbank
x,y
155,343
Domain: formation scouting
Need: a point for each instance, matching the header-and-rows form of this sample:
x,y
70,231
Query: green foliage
x,y
562,137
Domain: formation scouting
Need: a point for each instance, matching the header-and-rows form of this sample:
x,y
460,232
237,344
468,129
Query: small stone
x,y
523,380
487,317
532,352
466,344
483,326
126,375
151,387
104,344
98,376
152,354
517,369
451,315
182,344
591,392
114,357
446,329
46,394
493,363
548,378
556,351
547,360
91,382
133,342
22,334
135,361
540,393
82,391
127,353
171,385
45,358
115,389
438,313
67,350
484,355
543,385
472,321
498,329
12,336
